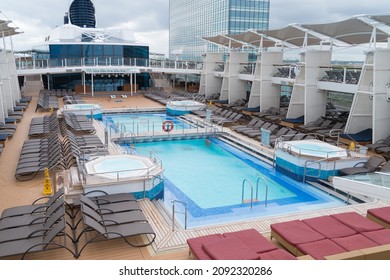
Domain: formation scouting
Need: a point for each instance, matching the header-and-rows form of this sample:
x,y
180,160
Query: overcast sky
x,y
150,18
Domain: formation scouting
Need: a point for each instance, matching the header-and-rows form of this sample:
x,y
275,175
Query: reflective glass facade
x,y
96,53
192,20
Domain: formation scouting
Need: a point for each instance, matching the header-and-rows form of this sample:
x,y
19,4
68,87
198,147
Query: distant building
x,y
189,21
82,14
79,43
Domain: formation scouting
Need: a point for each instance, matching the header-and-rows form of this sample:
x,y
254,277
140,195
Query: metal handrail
x,y
308,162
173,213
243,189
266,189
305,169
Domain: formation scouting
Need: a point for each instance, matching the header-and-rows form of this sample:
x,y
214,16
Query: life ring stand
x,y
167,126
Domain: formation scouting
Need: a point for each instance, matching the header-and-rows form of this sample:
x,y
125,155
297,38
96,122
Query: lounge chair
x,y
32,230
380,216
255,126
282,131
364,136
268,112
371,165
113,207
92,210
240,245
252,122
30,219
272,127
383,143
101,197
325,236
34,207
315,123
109,232
36,243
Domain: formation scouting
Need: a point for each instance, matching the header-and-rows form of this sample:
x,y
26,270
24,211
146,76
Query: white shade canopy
x,y
6,30
353,31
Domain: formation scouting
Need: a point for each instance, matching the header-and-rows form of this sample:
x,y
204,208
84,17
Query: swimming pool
x,y
140,123
208,175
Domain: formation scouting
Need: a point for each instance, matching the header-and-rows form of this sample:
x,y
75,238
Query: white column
x,y
83,80
131,84
135,82
92,93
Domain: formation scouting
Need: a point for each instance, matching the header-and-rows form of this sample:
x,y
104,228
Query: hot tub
x,y
124,173
88,110
119,167
313,159
177,108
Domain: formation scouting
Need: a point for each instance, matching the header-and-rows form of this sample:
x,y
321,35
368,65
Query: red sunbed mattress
x,y
319,249
382,237
253,239
329,227
357,222
296,232
278,254
196,243
354,242
382,213
229,248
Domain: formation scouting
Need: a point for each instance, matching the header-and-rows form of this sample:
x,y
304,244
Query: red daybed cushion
x,y
296,232
357,222
196,243
329,227
253,239
382,237
319,249
354,242
229,248
382,213
278,254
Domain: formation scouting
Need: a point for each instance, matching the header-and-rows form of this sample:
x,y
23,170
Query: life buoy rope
x,y
167,126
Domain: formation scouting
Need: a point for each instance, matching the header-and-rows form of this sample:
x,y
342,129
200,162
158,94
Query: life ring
x,y
167,126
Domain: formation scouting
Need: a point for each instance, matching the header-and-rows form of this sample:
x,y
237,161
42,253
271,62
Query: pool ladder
x,y
257,190
174,211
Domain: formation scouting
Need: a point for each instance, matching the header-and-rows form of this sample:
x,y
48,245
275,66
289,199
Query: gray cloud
x,y
150,18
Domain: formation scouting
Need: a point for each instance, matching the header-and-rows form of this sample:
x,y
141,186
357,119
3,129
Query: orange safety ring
x,y
167,126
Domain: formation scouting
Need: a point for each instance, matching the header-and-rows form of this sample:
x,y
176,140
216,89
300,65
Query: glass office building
x,y
191,20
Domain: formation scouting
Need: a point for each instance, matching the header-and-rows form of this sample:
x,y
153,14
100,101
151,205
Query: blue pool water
x,y
141,123
208,175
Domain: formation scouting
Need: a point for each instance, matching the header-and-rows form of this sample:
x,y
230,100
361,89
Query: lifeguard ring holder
x,y
167,126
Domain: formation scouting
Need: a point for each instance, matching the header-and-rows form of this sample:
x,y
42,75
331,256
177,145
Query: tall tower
x,y
190,20
82,13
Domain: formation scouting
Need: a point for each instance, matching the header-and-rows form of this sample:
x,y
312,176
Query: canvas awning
x,y
353,31
6,30
225,41
294,36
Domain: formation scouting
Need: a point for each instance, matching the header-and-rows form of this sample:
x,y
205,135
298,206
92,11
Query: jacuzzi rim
x,y
149,166
333,152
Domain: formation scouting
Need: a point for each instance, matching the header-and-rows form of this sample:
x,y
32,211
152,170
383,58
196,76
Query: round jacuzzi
x,y
119,166
314,148
88,110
